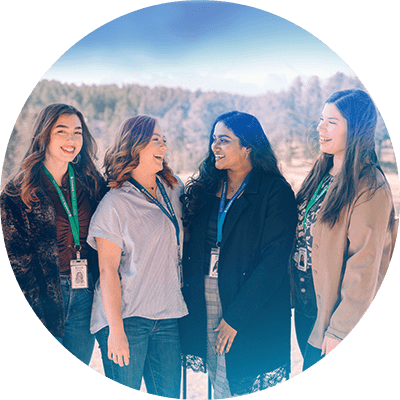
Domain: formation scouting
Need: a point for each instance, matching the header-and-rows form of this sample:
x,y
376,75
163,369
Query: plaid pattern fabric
x,y
215,364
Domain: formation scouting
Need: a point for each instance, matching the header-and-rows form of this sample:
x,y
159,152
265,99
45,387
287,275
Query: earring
x,y
76,159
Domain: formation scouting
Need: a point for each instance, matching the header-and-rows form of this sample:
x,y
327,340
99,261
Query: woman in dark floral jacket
x,y
57,175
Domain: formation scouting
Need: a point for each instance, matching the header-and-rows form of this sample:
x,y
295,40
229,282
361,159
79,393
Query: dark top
x,y
65,238
305,299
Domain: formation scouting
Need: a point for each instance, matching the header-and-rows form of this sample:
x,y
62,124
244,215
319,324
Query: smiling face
x,y
229,153
66,140
152,156
332,131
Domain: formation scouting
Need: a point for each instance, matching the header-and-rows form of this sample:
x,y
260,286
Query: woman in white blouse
x,y
137,232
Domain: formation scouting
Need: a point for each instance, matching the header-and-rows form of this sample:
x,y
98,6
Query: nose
x,y
214,144
164,146
321,126
71,137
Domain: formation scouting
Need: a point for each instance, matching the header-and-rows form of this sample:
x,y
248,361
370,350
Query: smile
x,y
323,140
68,150
218,157
160,158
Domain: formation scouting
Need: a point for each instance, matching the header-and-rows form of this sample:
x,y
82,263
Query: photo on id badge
x,y
79,277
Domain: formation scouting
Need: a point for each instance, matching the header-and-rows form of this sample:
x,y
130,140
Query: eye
x,y
78,133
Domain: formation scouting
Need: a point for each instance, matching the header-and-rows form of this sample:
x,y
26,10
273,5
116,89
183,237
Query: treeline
x,y
289,117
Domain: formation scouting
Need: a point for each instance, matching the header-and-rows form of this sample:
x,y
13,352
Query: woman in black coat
x,y
236,282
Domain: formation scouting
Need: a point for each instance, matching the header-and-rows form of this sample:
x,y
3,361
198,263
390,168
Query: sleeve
x,y
266,278
367,234
19,249
105,223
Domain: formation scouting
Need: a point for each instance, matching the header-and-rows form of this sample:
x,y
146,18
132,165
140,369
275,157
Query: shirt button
x,y
303,290
318,296
315,246
302,279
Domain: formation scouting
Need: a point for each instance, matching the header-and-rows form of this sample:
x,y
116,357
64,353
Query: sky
x,y
203,45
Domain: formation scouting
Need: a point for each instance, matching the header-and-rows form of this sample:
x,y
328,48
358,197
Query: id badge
x,y
213,272
302,259
79,276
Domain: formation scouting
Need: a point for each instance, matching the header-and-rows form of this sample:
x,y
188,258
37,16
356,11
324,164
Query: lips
x,y
218,157
68,150
324,140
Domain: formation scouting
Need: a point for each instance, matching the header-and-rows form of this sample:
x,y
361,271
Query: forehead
x,y
221,130
157,130
330,110
70,120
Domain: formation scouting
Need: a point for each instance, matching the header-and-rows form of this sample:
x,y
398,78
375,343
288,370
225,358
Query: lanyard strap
x,y
170,213
72,216
316,196
223,211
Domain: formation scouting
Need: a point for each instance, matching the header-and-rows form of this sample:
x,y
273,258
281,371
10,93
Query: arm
x,y
109,258
272,268
18,246
367,231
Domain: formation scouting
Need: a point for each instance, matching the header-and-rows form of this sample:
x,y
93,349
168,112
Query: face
x,y
229,153
66,139
332,131
152,156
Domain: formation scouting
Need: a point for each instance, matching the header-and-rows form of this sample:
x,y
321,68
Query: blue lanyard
x,y
170,213
223,211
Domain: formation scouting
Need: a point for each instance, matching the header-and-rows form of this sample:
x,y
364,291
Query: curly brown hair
x,y
133,135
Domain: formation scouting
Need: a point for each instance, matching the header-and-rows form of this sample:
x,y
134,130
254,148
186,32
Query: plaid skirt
x,y
215,363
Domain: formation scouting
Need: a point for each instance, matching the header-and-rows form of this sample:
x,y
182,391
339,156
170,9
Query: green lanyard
x,y
316,196
72,217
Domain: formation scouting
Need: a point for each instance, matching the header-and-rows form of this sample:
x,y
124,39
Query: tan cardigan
x,y
363,227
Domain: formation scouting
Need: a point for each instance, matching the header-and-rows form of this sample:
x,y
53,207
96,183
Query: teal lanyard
x,y
72,217
316,196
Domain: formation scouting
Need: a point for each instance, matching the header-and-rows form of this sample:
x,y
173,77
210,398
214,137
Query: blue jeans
x,y
155,355
77,311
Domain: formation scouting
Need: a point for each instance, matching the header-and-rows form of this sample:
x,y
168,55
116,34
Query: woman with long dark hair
x,y
240,215
45,213
137,230
344,231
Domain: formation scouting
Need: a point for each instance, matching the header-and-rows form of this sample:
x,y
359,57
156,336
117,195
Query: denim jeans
x,y
77,311
155,355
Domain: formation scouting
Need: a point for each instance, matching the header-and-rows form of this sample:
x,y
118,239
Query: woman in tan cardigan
x,y
344,231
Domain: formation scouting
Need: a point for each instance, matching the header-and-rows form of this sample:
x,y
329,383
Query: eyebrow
x,y
337,119
222,136
65,126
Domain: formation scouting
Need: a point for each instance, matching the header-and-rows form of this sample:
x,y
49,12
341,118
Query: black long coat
x,y
253,279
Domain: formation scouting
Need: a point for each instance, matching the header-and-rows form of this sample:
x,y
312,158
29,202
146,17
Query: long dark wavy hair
x,y
26,182
209,179
360,159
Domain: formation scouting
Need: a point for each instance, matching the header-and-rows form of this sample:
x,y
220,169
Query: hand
x,y
226,335
329,344
118,348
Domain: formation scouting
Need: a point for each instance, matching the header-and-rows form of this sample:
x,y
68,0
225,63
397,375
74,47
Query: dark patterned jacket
x,y
31,243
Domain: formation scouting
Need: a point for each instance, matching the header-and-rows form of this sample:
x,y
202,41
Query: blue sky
x,y
203,45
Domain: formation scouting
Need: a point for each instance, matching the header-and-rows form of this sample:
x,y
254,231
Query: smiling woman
x,y
45,213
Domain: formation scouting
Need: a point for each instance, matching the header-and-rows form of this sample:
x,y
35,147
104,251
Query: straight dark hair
x,y
209,179
360,159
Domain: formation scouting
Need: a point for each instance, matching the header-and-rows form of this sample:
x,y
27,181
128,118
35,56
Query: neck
x,y
337,165
57,170
146,179
236,177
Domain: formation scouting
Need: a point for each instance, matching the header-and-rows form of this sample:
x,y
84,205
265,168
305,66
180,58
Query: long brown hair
x,y
26,182
360,160
133,135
